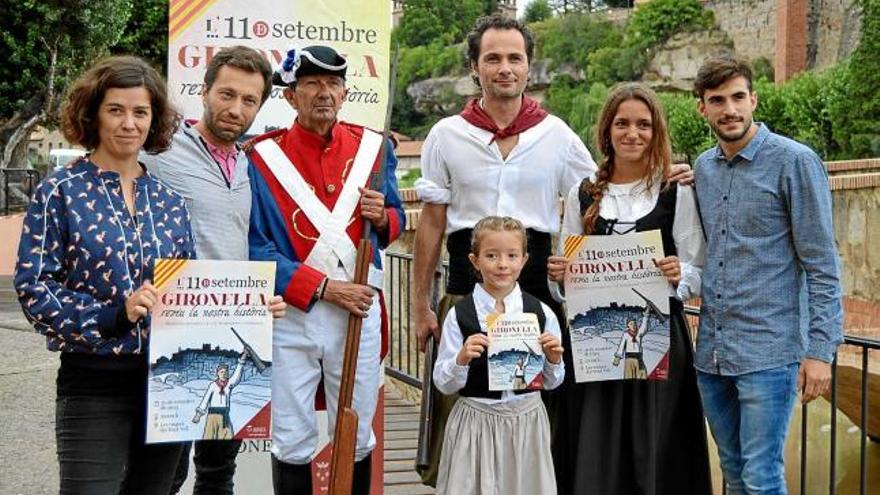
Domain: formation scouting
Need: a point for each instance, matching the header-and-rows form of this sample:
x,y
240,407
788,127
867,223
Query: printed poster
x,y
516,359
361,31
617,304
210,352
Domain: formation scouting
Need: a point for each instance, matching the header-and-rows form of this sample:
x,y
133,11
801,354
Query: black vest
x,y
661,217
477,384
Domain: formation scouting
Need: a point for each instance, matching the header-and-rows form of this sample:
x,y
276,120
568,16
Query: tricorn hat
x,y
311,60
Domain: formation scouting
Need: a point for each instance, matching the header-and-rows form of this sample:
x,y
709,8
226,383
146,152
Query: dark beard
x,y
225,136
747,124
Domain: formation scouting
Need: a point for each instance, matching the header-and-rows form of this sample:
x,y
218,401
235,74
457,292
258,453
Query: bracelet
x,y
322,288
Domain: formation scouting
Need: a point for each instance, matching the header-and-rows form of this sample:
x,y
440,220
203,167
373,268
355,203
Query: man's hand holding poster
x,y
617,306
210,351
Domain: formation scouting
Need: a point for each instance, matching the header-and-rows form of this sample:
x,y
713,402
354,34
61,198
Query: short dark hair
x,y
79,115
718,70
497,21
244,58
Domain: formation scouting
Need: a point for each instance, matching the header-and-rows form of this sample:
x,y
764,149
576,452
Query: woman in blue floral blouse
x,y
90,237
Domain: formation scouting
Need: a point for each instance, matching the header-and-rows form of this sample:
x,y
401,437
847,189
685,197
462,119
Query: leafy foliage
x,y
855,116
655,21
688,129
146,34
80,31
537,10
437,21
572,38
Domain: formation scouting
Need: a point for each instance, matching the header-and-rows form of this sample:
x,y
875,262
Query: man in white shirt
x,y
503,155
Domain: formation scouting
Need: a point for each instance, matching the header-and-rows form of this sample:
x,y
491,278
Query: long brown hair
x,y
659,152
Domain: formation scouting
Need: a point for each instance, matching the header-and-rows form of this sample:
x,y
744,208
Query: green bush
x,y
656,21
688,130
855,114
571,38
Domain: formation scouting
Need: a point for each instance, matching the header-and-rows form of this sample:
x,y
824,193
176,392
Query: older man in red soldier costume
x,y
311,186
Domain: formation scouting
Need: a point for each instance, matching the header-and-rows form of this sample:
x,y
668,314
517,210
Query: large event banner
x,y
198,29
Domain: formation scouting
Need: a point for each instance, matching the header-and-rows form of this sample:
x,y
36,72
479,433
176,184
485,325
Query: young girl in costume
x,y
637,436
495,442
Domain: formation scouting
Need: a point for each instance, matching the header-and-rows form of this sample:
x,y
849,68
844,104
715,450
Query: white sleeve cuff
x,y
431,192
690,284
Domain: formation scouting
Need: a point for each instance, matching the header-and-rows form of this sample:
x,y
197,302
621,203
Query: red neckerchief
x,y
530,114
222,384
632,333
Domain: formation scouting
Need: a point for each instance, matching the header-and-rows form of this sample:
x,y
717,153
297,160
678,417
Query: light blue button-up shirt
x,y
771,281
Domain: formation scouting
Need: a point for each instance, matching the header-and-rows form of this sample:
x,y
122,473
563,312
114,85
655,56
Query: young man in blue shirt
x,y
771,317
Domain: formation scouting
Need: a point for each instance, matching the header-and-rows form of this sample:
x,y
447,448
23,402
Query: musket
x,y
345,431
426,420
533,353
653,307
255,358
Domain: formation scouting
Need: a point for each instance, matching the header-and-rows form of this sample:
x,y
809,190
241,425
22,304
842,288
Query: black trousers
x,y
215,467
101,450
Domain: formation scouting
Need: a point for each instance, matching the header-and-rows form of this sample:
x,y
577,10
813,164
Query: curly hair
x,y
659,152
496,224
496,21
79,115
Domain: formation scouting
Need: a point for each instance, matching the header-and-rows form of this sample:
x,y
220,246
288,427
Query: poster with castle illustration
x,y
617,304
210,351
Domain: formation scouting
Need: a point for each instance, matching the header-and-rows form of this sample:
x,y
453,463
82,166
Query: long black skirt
x,y
633,437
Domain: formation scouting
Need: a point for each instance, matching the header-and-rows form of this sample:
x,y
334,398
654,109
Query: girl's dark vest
x,y
659,218
477,384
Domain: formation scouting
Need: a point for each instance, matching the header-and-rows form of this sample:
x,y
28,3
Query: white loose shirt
x,y
450,377
462,167
631,201
213,398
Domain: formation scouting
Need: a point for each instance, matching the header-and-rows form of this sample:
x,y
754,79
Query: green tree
x,y
441,21
146,33
46,43
855,116
572,38
537,11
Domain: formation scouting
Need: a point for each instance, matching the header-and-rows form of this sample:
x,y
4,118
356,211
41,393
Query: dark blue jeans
x,y
101,450
749,415
215,467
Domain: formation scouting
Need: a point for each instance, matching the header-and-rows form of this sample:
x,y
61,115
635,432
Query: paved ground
x,y
27,389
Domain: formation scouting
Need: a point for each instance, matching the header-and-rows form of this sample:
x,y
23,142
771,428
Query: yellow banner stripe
x,y
184,16
166,270
573,244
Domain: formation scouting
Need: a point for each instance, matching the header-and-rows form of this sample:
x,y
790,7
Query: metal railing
x,y
404,363
17,186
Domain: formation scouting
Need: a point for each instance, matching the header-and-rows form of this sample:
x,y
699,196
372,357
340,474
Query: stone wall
x,y
839,31
857,230
750,23
752,26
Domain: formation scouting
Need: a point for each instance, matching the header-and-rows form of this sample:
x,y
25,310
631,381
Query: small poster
x,y
617,304
516,360
210,358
